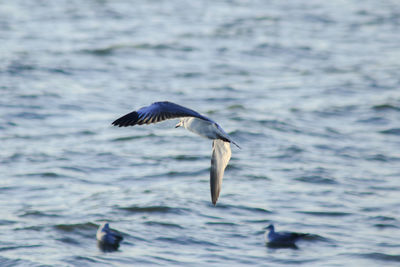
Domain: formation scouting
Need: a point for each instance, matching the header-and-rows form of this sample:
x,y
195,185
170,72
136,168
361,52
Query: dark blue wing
x,y
156,112
286,237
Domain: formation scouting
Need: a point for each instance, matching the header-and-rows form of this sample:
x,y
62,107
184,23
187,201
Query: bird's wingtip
x,y
129,119
116,124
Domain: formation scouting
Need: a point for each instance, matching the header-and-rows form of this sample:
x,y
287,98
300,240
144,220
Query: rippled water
x,y
310,89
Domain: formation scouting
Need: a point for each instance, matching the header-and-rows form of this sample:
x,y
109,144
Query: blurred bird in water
x,y
281,239
194,122
107,239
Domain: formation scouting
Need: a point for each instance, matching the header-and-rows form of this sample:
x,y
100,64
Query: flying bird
x,y
282,239
194,122
107,239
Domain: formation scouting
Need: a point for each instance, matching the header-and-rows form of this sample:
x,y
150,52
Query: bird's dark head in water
x,y
270,227
106,227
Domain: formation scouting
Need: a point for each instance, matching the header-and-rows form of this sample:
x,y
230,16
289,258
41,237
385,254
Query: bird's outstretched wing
x,y
157,112
221,154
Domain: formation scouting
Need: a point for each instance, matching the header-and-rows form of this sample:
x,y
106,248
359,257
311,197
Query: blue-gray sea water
x,y
309,89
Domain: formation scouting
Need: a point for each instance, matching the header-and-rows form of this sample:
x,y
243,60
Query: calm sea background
x,y
309,89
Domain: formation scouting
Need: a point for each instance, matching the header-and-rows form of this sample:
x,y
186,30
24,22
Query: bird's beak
x,y
178,125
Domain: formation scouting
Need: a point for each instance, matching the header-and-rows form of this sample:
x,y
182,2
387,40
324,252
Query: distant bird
x,y
107,239
194,122
281,239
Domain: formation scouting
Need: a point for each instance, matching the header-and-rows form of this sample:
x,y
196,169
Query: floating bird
x,y
282,239
107,239
194,122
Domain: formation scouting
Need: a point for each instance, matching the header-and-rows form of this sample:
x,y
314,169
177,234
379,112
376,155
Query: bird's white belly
x,y
201,127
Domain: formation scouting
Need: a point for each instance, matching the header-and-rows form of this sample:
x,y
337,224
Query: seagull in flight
x,y
194,122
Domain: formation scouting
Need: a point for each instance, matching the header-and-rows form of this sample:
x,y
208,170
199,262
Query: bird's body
x,y
108,239
281,239
194,122
205,128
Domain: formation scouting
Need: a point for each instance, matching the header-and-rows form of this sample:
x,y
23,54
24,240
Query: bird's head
x,y
105,226
270,227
